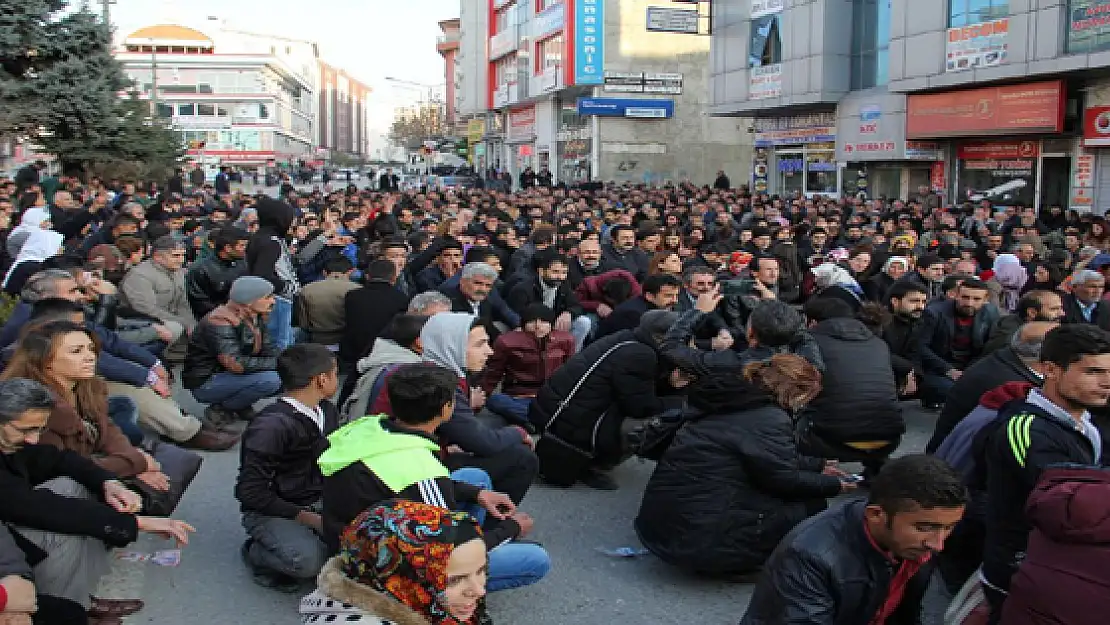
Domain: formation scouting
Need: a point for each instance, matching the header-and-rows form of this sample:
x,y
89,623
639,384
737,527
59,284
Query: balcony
x,y
504,42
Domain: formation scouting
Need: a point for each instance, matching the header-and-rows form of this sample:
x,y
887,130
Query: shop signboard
x,y
589,42
765,82
643,82
522,124
924,151
669,20
624,82
1088,26
978,45
475,130
642,108
937,178
761,8
1015,109
1096,126
1083,182
1002,172
870,147
869,117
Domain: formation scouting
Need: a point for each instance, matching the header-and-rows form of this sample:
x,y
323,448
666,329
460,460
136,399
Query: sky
x,y
371,39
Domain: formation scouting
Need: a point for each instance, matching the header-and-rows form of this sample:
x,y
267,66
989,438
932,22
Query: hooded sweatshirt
x,y
958,447
385,353
40,245
31,221
268,253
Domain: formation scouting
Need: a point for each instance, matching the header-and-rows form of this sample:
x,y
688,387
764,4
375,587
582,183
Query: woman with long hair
x,y
668,262
1098,234
732,484
405,563
61,355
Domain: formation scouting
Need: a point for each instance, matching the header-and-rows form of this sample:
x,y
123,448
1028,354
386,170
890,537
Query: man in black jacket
x,y
1085,304
269,258
280,486
660,292
1033,306
472,296
864,561
907,306
208,281
373,306
548,286
1052,426
622,252
1018,362
856,417
953,333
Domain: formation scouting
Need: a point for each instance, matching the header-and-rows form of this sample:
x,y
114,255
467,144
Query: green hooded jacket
x,y
398,460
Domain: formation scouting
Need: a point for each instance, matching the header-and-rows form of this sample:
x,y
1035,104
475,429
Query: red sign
x,y
1029,108
981,150
1096,126
937,178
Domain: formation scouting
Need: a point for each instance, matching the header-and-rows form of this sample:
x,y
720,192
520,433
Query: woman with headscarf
x,y
404,563
876,288
33,220
34,256
832,280
1011,276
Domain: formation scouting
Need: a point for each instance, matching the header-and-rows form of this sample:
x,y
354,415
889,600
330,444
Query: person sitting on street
x,y
448,262
209,280
156,288
548,286
522,361
864,561
320,310
472,296
231,362
407,563
581,409
714,331
738,444
599,295
376,458
953,335
280,485
399,345
372,307
856,417
64,510
459,342
1033,306
1085,303
19,603
659,292
901,332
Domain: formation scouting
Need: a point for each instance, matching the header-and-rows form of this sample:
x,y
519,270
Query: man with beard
x,y
208,282
1051,426
953,333
623,253
907,305
1033,306
587,264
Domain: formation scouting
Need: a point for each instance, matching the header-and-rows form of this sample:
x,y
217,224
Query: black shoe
x,y
218,417
599,481
267,579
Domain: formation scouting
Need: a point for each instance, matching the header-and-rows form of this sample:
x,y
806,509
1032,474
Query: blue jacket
x,y
119,361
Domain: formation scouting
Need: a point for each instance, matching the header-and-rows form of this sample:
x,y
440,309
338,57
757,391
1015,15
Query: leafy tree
x,y
411,127
60,87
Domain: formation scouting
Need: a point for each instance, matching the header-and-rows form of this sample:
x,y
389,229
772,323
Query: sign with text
x,y
1096,126
869,116
589,42
978,150
1088,25
1016,109
640,108
870,147
765,82
978,45
522,124
924,151
767,7
643,82
668,20
549,21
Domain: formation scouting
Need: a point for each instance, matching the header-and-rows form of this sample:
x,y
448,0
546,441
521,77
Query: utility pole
x,y
153,81
105,5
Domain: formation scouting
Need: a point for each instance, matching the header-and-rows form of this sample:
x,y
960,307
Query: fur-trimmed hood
x,y
374,607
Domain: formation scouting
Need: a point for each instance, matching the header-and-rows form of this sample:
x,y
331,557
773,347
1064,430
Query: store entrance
x,y
1055,181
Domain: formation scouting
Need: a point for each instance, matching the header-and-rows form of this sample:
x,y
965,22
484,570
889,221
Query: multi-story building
x,y
247,98
448,47
343,127
1000,100
584,88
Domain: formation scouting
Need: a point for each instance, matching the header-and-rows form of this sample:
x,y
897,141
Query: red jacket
x,y
1065,576
523,364
589,292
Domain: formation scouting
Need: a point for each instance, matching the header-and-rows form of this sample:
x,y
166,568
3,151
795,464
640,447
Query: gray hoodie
x,y
385,353
445,337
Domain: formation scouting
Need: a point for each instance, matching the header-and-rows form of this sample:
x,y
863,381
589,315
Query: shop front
x,y
796,155
1091,184
520,139
1033,169
573,139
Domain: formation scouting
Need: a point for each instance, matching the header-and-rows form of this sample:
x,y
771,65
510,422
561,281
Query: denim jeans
x,y
515,409
511,564
581,328
124,412
280,323
934,388
155,347
236,392
284,546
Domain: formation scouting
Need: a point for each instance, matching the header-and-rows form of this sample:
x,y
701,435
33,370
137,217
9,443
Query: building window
x,y
186,109
207,110
968,12
549,53
870,43
165,110
263,111
505,70
543,5
1088,26
766,42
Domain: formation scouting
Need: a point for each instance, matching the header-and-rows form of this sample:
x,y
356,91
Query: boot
x,y
211,440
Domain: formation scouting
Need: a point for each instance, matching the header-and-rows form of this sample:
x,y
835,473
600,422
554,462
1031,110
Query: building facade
x,y
343,114
448,47
1000,100
583,88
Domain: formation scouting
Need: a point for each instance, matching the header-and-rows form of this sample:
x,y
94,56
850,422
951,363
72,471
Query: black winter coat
x,y
731,485
859,398
827,572
208,283
373,306
621,386
937,328
901,336
528,291
227,341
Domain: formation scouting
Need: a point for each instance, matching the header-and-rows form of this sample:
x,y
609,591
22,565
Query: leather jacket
x,y
209,281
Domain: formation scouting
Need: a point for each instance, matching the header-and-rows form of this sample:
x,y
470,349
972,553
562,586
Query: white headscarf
x,y
42,244
32,221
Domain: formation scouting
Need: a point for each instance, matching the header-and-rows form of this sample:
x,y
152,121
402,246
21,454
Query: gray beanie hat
x,y
249,289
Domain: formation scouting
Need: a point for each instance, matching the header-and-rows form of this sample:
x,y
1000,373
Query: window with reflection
x,y
969,12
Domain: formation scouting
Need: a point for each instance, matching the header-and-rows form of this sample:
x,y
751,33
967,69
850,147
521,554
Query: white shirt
x,y
316,414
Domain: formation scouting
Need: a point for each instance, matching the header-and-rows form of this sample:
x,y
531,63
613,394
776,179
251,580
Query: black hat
x,y
537,312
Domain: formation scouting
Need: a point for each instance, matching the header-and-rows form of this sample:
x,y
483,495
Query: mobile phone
x,y
853,478
733,288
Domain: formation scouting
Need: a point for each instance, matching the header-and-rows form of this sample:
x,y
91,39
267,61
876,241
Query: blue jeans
x,y
124,412
934,388
515,409
155,347
512,564
236,392
280,323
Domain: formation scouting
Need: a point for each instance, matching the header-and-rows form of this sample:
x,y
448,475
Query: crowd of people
x,y
398,368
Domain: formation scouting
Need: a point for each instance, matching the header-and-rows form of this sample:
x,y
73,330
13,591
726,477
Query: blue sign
x,y
589,42
639,108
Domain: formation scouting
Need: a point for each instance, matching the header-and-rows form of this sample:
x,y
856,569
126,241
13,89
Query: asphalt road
x,y
212,585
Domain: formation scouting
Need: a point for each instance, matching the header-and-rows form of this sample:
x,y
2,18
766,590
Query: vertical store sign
x,y
589,42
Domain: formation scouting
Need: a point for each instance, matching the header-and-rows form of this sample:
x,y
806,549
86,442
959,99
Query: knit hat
x,y
928,260
537,312
250,289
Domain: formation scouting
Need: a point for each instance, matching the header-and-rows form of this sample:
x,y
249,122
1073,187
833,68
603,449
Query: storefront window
x,y
968,12
821,171
1088,26
1003,181
791,169
766,43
